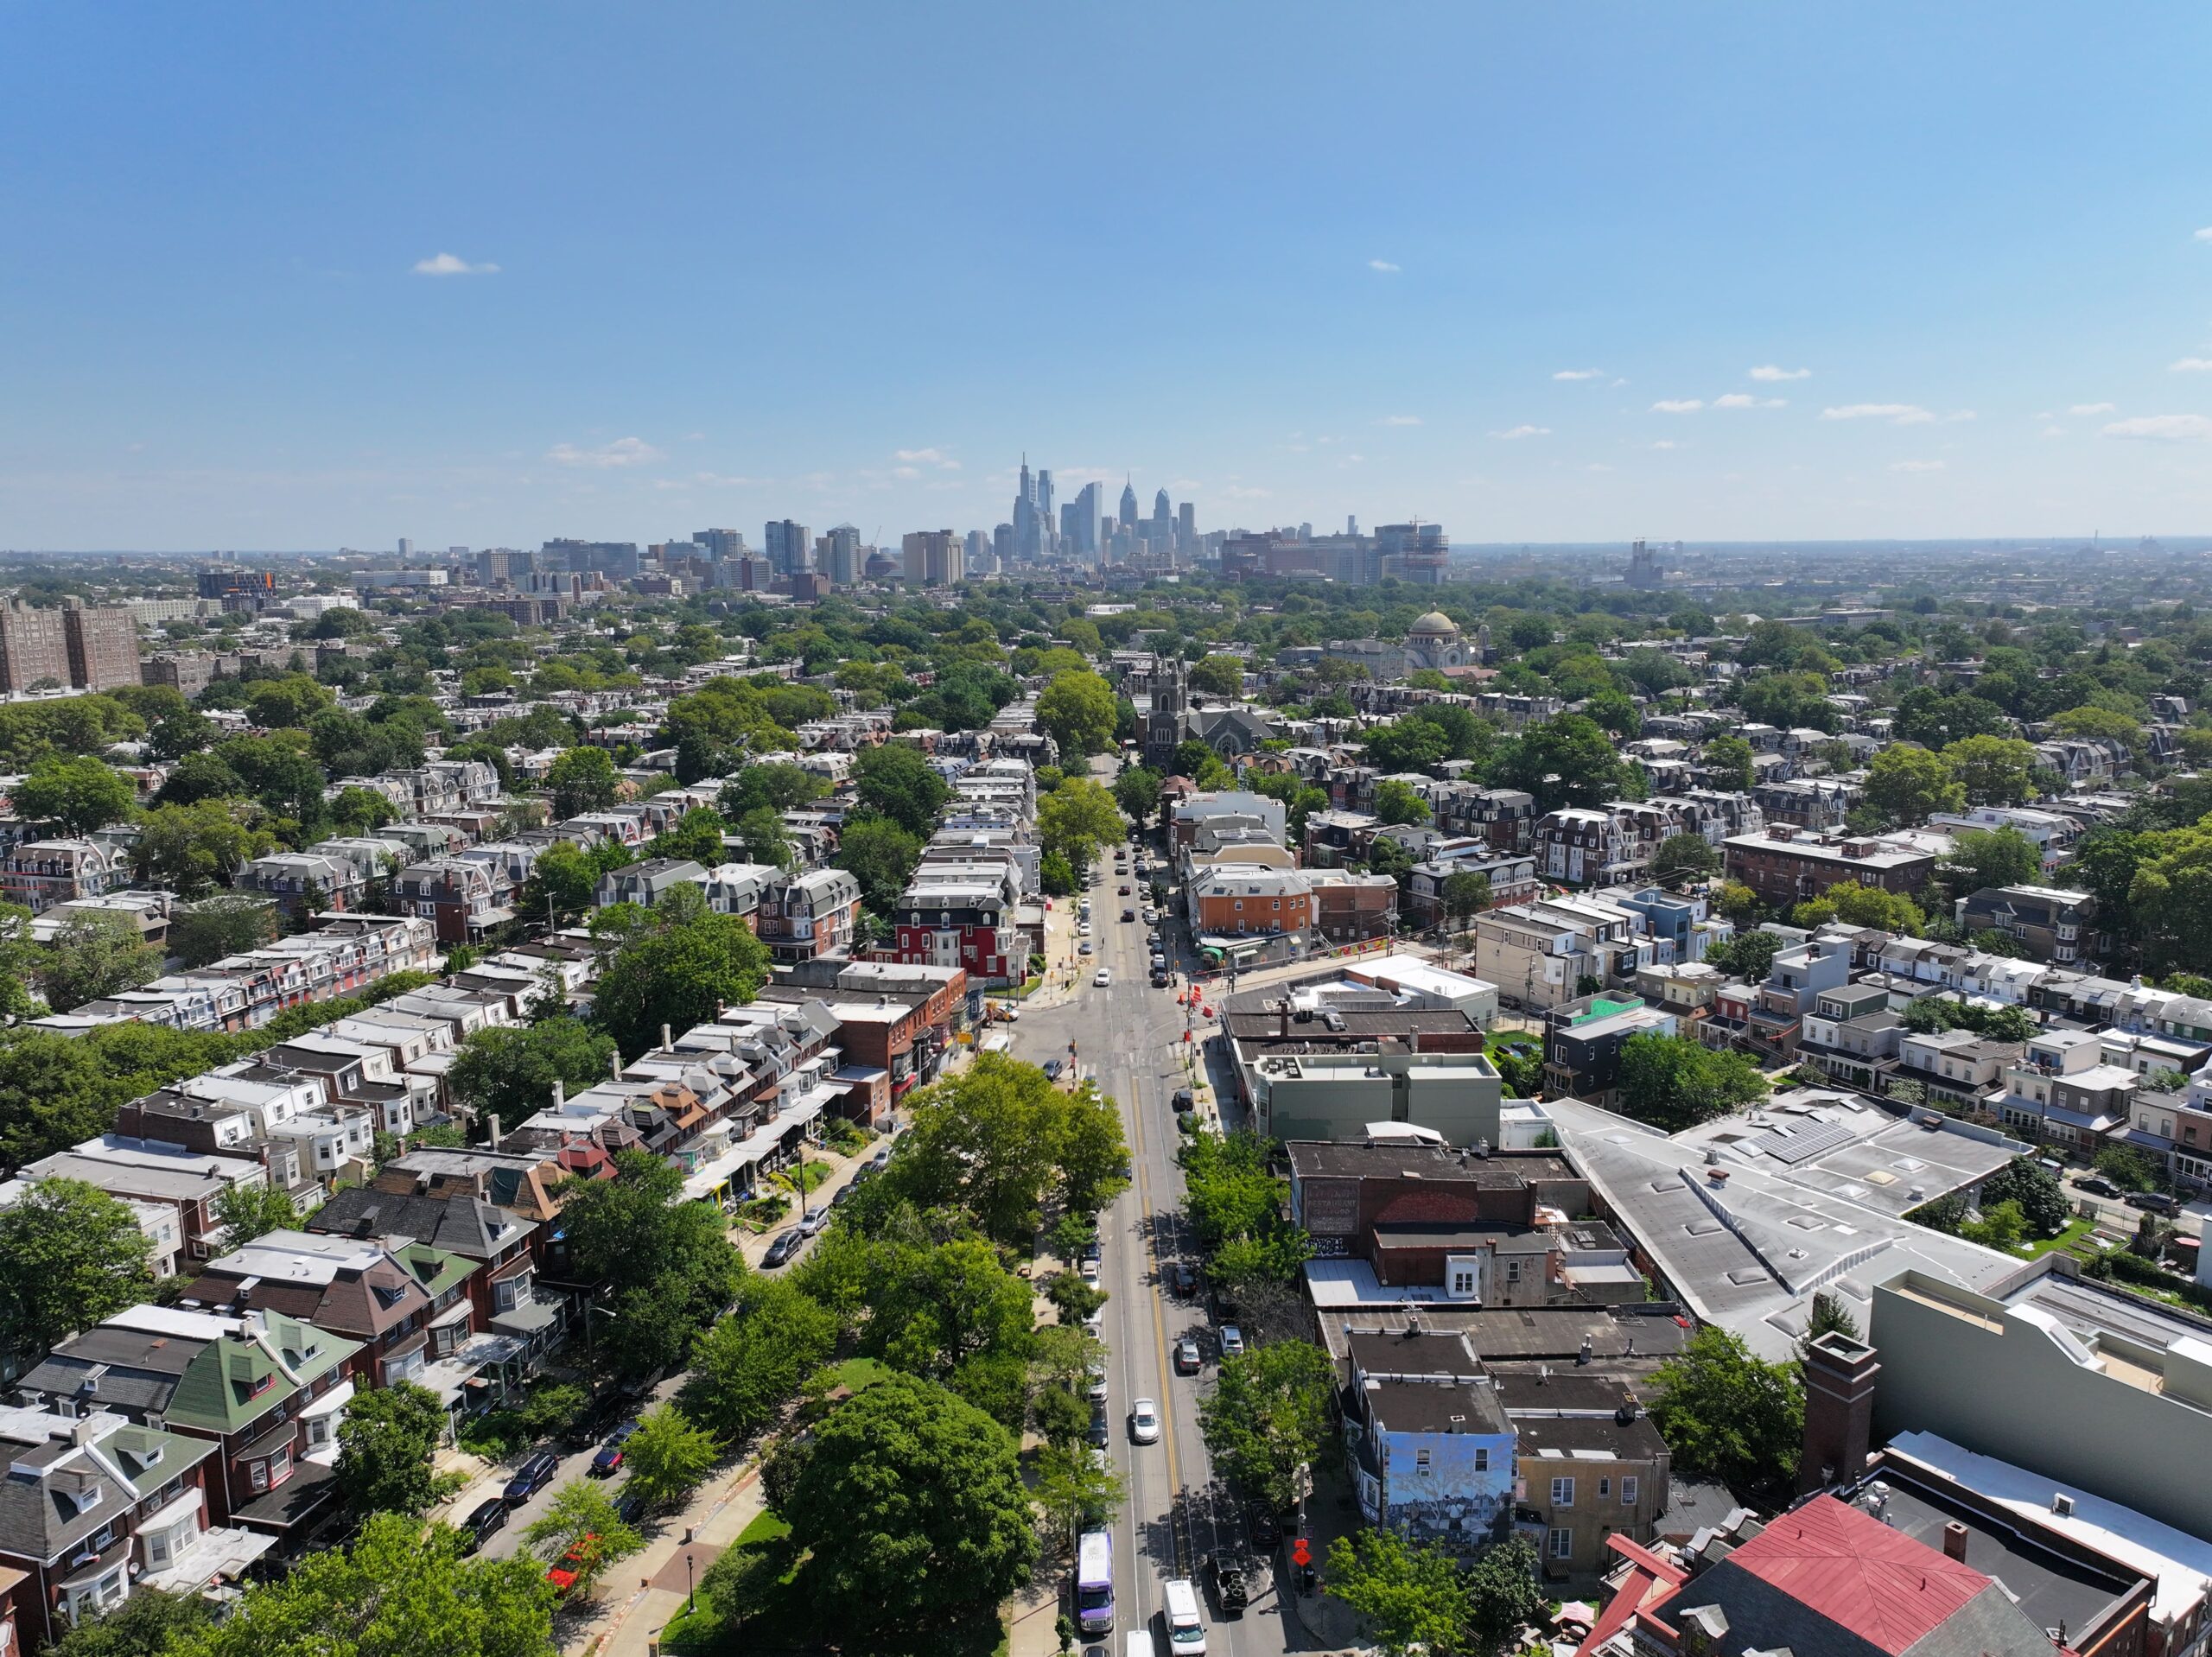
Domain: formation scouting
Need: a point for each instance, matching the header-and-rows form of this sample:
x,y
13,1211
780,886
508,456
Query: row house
x,y
1852,1035
1512,877
1540,954
1337,837
1769,1021
2083,761
457,896
1609,845
304,883
2051,925
266,1389
807,916
644,883
1712,813
1353,908
502,1245
96,1507
1583,1040
2064,1092
41,873
187,1183
1503,818
950,918
1818,805
986,849
1956,1067
1784,865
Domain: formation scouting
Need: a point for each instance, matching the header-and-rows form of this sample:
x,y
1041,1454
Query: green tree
x,y
150,1624
562,882
93,955
1685,856
1411,1595
1504,1596
1789,700
291,700
2130,1168
1993,770
1218,676
246,1211
679,976
749,1365
190,848
1466,895
2099,723
508,1070
896,782
2001,1227
1077,709
880,856
1412,743
941,1305
1136,790
667,1458
1235,1206
908,1513
1828,1315
1727,1413
1674,1082
1857,905
400,1587
1906,784
1568,761
986,1141
1400,803
1990,857
1268,1417
1075,1490
1090,1151
1749,954
20,955
54,1093
216,927
70,1255
1728,760
696,835
762,832
581,1531
386,1440
1075,819
780,786
667,1264
581,779
77,791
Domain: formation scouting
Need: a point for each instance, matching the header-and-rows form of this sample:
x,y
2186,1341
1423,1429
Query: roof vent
x,y
2063,1505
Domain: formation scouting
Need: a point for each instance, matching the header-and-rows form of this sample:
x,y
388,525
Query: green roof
x,y
1604,1006
234,1381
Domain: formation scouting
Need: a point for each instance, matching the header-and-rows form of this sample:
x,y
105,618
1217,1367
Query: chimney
x,y
1582,1358
614,1066
492,1130
667,1041
1839,1373
1954,1541
560,1094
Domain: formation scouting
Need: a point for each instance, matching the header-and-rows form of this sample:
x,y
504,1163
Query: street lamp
x,y
688,1590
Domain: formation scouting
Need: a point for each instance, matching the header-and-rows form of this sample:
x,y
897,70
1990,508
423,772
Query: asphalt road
x,y
1128,1037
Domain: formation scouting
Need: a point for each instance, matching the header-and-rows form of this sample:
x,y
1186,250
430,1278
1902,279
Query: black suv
x,y
485,1518
532,1476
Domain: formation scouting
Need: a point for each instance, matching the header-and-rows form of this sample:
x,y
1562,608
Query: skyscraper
x,y
1003,547
722,545
934,558
1046,520
977,553
841,555
1128,513
1187,529
1163,525
789,546
1088,504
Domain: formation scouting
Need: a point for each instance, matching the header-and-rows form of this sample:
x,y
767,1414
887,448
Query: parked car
x,y
881,1158
1266,1526
1186,1358
1185,1277
1095,1390
781,1247
1084,948
2098,1184
1144,1422
608,1461
1101,1431
845,1191
1225,1571
1232,1341
1124,891
1158,978
1184,1099
1089,1270
531,1477
564,1575
485,1518
630,1510
1053,1067
810,1223
2154,1202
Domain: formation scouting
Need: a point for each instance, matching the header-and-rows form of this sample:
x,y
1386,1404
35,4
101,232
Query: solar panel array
x,y
1805,1143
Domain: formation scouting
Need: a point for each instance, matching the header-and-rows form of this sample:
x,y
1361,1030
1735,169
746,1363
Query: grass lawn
x,y
767,1526
2073,1240
855,1373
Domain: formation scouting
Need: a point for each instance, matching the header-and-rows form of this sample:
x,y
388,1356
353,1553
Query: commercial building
x,y
934,557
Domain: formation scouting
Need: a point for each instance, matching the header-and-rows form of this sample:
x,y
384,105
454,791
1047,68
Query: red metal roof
x,y
1859,1574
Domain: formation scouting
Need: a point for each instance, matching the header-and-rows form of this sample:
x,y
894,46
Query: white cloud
x,y
1666,443
1401,420
2163,428
1239,492
1383,266
2205,235
2191,366
1915,466
2093,409
1678,405
2054,431
1957,414
1897,413
1770,372
1579,374
1745,400
908,473
449,264
1596,465
936,457
1524,431
622,452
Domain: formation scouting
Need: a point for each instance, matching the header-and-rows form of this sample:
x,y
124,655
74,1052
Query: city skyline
x,y
318,282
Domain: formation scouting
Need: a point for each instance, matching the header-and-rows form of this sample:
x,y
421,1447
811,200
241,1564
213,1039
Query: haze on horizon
x,y
284,280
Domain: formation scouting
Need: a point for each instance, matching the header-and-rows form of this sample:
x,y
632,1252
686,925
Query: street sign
x,y
1301,1552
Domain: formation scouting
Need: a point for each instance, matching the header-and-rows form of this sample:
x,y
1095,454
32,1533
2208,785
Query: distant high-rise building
x,y
840,558
1003,547
789,546
1089,504
1163,524
722,545
1415,553
1030,530
934,558
1047,520
1127,516
255,588
1351,523
616,560
495,565
1643,571
976,553
406,549
103,645
1187,529
33,649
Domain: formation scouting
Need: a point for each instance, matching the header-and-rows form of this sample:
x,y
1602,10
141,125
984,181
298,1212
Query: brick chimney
x,y
1954,1541
1839,1373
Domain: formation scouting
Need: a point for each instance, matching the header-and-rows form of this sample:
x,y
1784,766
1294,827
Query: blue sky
x,y
724,262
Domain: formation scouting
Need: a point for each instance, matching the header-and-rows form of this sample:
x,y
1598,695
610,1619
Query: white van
x,y
1137,1643
1186,1629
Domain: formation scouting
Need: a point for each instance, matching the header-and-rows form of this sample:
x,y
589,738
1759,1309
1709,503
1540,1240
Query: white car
x,y
1090,1270
1144,1422
1095,1392
1103,978
1083,931
1232,1341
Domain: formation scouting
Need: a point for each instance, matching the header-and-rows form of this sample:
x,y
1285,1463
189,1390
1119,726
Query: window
x,y
1562,1544
1513,1271
1421,1460
1463,1280
1605,1488
1628,1489
1563,1493
1482,1459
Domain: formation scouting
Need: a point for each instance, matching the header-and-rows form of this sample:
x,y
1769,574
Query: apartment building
x,y
2051,924
1785,866
1245,899
41,873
